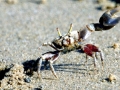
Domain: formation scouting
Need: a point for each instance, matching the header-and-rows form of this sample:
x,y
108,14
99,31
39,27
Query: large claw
x,y
109,19
84,34
48,57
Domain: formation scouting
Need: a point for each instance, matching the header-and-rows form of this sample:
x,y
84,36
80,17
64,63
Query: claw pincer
x,y
107,21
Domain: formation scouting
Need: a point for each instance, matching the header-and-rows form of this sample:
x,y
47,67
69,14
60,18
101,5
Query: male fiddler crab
x,y
72,41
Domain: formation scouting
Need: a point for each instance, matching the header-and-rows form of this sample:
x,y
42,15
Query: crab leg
x,y
49,57
53,59
96,55
52,69
86,58
39,64
51,45
95,61
102,58
86,62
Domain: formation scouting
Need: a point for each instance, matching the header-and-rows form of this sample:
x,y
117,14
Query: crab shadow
x,y
74,68
30,66
35,1
4,71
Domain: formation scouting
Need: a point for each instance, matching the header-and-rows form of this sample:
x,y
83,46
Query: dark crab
x,y
73,41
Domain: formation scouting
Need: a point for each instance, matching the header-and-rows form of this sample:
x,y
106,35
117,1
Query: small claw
x,y
44,44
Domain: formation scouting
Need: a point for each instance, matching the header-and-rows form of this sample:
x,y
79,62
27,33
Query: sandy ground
x,y
25,26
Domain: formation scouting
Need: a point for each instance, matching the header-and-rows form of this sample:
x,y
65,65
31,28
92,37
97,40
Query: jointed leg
x,y
102,58
95,61
39,64
50,44
86,62
96,55
52,69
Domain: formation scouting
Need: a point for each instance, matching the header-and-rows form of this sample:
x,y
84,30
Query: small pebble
x,y
28,80
105,4
112,77
12,1
115,45
43,1
39,88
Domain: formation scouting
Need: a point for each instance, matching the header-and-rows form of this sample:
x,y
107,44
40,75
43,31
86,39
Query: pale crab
x,y
72,41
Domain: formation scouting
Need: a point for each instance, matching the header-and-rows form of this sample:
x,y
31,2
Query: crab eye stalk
x,y
60,35
70,29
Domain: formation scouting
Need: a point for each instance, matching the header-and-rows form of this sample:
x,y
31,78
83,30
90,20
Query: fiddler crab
x,y
72,41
